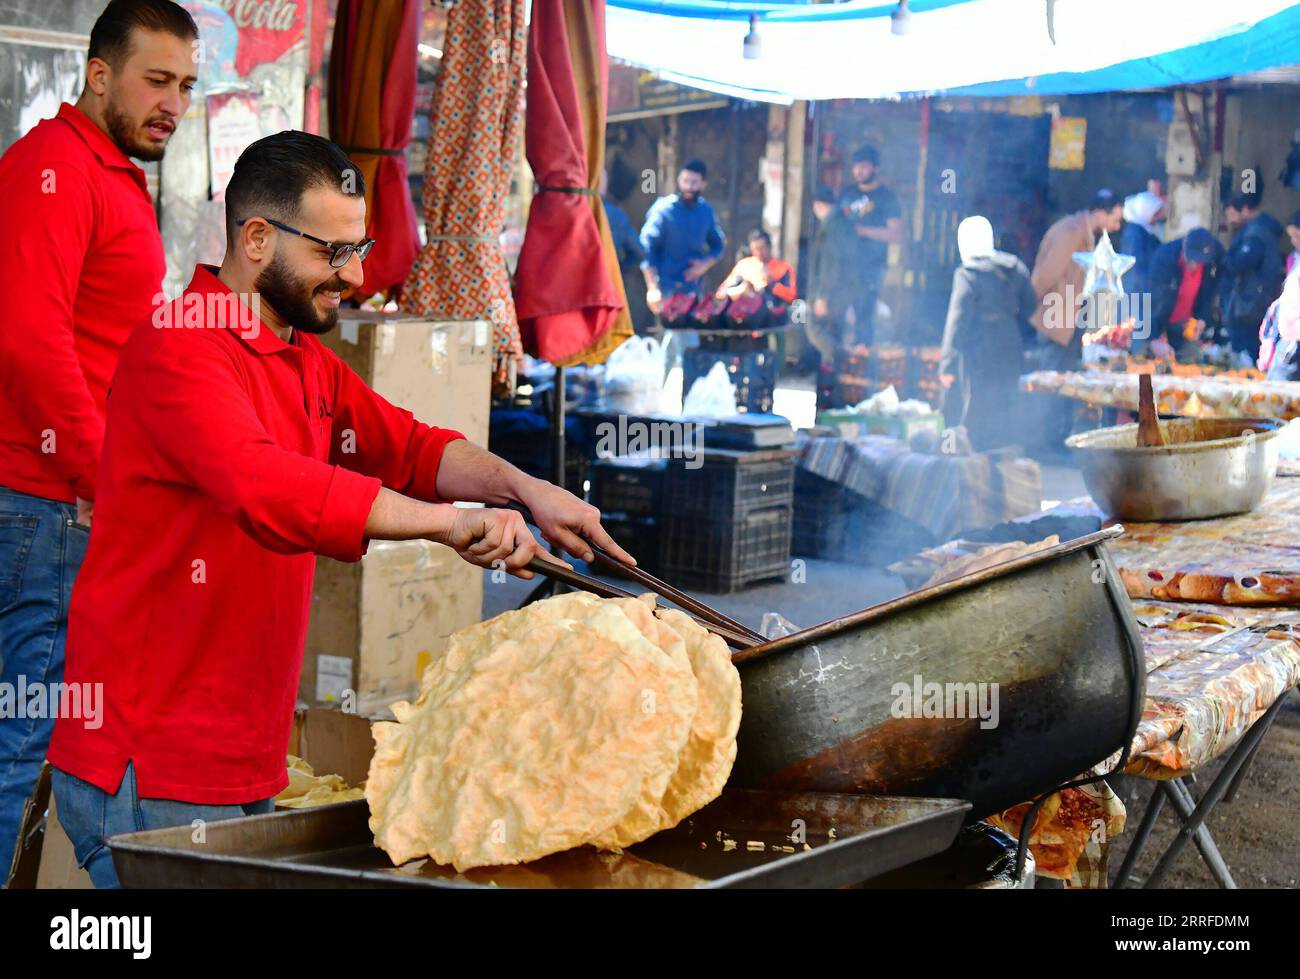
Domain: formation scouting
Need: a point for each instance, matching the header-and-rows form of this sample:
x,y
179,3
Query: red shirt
x,y
232,458
81,263
1188,286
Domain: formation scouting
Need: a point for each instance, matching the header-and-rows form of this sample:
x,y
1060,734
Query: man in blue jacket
x,y
681,238
1252,273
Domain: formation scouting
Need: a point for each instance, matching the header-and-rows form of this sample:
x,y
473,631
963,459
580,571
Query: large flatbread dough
x,y
647,816
536,732
710,750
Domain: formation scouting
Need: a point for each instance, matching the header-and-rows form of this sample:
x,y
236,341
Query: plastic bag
x,y
634,375
711,396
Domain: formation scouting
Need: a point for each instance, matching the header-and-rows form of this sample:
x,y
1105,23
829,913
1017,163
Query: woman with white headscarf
x,y
983,348
1139,238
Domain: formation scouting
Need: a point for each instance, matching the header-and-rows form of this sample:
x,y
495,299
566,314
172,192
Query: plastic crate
x,y
753,372
729,484
835,524
639,536
726,555
627,485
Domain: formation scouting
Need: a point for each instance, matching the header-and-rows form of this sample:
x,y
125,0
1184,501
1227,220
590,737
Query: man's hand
x,y
484,537
85,511
821,308
696,268
570,523
654,300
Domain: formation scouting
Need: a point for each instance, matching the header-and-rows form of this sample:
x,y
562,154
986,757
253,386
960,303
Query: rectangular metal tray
x,y
849,839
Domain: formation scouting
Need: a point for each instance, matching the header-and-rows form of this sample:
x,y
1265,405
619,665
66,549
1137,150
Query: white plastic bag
x,y
634,376
711,396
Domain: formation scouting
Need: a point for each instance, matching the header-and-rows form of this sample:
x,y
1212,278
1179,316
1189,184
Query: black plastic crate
x,y
835,524
726,555
729,484
627,485
753,372
637,535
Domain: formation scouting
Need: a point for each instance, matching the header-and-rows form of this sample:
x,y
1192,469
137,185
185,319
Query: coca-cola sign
x,y
275,15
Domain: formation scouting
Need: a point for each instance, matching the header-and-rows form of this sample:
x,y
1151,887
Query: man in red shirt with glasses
x,y
238,448
81,261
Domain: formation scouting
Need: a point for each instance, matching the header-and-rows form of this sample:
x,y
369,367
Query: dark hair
x,y
1242,201
759,234
697,166
272,174
110,38
824,194
1105,200
866,154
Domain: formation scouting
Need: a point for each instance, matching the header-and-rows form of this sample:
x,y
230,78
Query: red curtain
x,y
568,290
371,103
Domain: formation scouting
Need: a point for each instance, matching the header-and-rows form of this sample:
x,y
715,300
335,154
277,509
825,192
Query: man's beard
x,y
689,196
291,298
123,133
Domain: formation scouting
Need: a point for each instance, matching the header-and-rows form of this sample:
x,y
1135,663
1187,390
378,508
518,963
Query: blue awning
x,y
971,47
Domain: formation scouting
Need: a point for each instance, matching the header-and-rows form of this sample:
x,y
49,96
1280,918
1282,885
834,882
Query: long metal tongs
x,y
735,633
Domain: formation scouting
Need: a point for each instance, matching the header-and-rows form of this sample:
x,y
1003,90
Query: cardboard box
x,y
333,742
59,868
440,371
375,625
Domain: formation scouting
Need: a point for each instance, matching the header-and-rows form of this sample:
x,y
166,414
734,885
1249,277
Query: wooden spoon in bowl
x,y
1148,421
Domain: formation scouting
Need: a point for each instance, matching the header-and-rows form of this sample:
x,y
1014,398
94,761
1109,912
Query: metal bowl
x,y
1208,467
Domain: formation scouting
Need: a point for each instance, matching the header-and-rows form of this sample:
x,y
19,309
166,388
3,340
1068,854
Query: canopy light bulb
x,y
900,21
753,43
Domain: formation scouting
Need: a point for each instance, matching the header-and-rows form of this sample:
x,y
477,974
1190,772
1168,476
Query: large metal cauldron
x,y
842,707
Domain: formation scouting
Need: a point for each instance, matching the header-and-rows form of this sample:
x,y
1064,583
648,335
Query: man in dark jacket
x,y
1181,281
983,354
830,281
1252,272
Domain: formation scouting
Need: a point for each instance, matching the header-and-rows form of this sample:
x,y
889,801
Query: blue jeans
x,y
41,549
89,816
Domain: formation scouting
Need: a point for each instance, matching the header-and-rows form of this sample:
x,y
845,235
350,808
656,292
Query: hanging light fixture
x,y
753,43
900,20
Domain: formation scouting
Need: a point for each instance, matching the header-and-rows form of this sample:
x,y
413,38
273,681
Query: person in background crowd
x,y
627,247
1139,238
983,357
1181,282
1157,186
760,270
1279,355
681,238
829,288
1252,274
81,264
1058,283
876,219
1293,234
1058,279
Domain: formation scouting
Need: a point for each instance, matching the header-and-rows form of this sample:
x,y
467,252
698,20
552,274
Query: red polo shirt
x,y
81,263
232,458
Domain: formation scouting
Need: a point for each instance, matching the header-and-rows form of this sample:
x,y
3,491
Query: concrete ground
x,y
1258,834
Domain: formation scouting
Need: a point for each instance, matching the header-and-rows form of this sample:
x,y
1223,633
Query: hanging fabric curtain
x,y
371,102
568,288
477,112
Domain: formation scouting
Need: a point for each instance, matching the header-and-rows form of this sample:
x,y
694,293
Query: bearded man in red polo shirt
x,y
81,261
238,448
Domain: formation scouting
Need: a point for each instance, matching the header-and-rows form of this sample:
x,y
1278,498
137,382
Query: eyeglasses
x,y
342,253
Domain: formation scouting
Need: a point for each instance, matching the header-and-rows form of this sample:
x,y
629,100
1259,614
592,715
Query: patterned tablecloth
x,y
1194,397
945,493
1213,667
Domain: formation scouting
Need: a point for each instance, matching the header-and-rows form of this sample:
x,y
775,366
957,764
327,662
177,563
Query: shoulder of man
x,y
50,148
